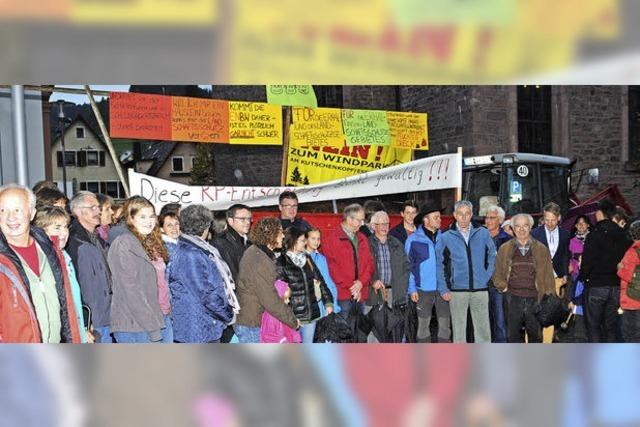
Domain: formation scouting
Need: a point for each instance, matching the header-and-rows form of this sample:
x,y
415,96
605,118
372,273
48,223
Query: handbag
x,y
316,282
274,331
550,311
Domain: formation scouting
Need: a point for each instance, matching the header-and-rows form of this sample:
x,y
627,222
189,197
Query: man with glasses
x,y
288,204
234,240
524,272
494,218
349,259
231,244
89,255
391,275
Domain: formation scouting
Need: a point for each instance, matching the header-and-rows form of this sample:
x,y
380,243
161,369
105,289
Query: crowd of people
x,y
91,270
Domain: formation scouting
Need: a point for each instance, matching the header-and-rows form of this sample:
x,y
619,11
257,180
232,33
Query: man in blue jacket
x,y
420,248
465,262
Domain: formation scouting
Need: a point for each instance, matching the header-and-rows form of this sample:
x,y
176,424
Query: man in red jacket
x,y
349,258
35,293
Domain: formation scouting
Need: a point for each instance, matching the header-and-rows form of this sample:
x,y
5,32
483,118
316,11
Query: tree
x,y
295,175
306,181
204,168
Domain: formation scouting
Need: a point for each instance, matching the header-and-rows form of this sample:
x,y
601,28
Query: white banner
x,y
431,173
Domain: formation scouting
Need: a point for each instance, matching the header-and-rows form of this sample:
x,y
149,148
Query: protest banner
x,y
293,95
314,165
134,115
255,123
431,173
408,130
365,127
199,120
316,127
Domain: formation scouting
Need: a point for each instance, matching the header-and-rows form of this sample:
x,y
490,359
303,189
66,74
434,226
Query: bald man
x,y
34,286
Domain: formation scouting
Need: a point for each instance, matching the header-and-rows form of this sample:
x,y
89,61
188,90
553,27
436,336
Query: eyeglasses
x,y
243,219
92,207
384,224
289,206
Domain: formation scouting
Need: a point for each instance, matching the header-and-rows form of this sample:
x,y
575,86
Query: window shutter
x,y
82,158
102,158
59,158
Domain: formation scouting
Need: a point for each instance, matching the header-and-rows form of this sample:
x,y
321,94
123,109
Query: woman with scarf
x,y
305,280
202,288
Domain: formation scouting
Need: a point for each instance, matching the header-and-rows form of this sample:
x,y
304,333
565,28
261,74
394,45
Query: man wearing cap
x,y
420,248
604,248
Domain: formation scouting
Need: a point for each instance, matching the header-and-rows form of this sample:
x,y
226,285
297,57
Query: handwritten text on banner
x,y
431,173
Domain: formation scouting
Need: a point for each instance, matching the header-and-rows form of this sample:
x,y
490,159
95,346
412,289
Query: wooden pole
x,y
51,89
459,189
107,139
285,145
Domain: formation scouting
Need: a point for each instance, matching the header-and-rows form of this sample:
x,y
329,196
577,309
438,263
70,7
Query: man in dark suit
x,y
557,240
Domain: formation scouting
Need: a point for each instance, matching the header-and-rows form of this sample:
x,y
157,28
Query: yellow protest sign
x,y
365,127
298,95
318,127
408,130
314,165
255,123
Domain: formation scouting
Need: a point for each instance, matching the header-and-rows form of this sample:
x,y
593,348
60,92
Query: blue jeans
x,y
496,315
167,331
631,326
132,337
246,334
307,331
105,335
601,314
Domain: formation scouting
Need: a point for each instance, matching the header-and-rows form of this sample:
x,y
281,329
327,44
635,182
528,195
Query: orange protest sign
x,y
199,120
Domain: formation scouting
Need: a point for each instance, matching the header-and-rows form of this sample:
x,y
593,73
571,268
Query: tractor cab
x,y
518,182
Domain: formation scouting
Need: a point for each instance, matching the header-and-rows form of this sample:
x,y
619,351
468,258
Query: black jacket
x,y
399,270
562,256
603,250
298,223
231,246
52,258
92,271
399,232
300,280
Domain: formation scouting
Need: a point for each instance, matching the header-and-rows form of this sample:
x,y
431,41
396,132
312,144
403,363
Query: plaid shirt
x,y
383,261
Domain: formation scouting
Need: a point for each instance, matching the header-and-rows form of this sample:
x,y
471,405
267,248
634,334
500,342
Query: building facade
x,y
88,163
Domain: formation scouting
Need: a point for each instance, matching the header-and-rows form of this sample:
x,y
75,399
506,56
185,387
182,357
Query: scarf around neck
x,y
223,268
298,259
